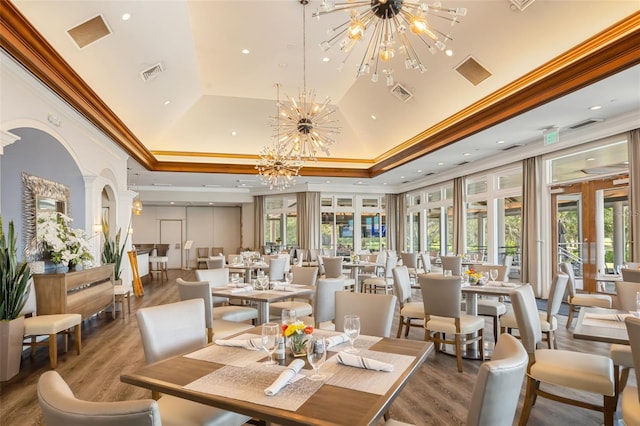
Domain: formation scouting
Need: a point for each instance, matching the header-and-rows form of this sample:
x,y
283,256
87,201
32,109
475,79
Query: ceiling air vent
x,y
463,163
429,174
89,31
584,123
511,147
473,71
521,4
151,73
400,92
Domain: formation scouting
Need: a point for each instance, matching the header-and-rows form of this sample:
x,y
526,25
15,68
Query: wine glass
x,y
352,330
235,278
288,277
493,273
485,277
316,355
263,282
270,332
289,316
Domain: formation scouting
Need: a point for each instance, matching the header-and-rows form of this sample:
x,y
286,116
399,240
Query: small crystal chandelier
x,y
389,20
307,126
277,168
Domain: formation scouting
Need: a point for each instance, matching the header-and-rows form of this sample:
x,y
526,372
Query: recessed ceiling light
x,y
210,204
328,181
126,16
594,108
326,59
466,154
234,133
171,202
440,164
360,183
419,171
401,177
373,117
448,52
384,183
245,51
499,142
167,102
590,159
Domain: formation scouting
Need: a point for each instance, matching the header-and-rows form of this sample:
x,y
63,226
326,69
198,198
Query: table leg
x,y
263,312
356,285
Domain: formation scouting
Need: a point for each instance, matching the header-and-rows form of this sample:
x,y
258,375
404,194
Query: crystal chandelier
x,y
389,20
277,168
307,127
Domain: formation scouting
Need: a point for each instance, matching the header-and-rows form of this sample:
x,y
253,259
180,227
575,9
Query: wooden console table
x,y
84,292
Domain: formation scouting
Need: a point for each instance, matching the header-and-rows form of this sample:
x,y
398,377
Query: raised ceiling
x,y
213,89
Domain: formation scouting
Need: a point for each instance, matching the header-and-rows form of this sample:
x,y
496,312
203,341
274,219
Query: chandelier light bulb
x,y
384,23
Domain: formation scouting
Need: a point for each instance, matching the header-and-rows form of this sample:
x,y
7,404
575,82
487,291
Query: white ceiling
x,y
214,89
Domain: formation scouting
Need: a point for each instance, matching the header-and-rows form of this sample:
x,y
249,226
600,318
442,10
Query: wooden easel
x,y
138,290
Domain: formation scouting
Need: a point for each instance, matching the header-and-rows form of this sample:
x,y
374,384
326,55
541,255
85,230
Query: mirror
x,y
40,195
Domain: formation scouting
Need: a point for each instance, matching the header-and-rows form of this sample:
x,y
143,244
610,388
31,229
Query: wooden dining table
x,y
355,271
601,325
334,401
262,299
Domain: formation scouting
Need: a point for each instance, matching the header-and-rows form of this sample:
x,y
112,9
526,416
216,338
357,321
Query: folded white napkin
x,y
285,377
361,362
336,340
242,289
283,287
254,344
607,317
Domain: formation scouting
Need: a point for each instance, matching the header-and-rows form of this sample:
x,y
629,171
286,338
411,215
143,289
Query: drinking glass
x,y
485,277
270,332
288,277
235,278
263,282
316,355
352,330
493,274
289,316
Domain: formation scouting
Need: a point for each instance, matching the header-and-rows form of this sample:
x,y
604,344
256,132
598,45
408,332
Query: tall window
x,y
353,223
281,223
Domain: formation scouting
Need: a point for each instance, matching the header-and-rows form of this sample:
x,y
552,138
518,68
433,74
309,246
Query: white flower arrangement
x,y
65,245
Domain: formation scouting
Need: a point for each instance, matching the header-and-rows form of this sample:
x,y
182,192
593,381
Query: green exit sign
x,y
551,135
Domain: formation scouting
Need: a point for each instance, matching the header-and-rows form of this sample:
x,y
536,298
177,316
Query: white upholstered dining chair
x,y
576,299
411,313
631,275
560,368
173,329
60,407
452,263
495,395
375,311
324,303
496,392
385,282
218,327
630,405
223,310
441,296
621,354
306,275
548,320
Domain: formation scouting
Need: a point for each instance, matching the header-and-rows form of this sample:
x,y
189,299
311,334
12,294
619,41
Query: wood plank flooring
x,y
437,395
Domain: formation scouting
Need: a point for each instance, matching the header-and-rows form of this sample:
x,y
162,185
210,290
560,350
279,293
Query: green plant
x,y
14,277
112,251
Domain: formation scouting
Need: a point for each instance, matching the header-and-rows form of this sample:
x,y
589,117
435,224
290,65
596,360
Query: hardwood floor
x,y
437,395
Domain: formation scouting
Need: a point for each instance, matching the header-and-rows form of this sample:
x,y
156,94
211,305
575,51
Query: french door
x,y
590,228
